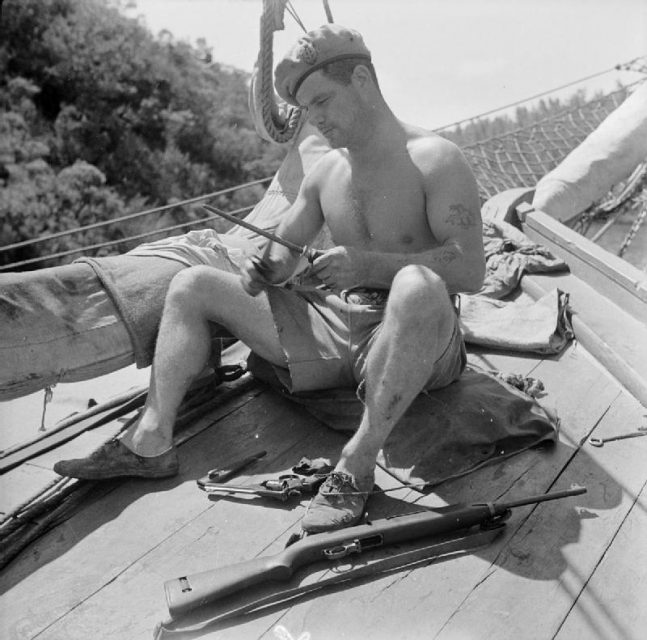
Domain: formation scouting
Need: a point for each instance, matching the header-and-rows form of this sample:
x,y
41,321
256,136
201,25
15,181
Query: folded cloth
x,y
446,433
137,286
57,325
476,421
509,254
137,281
542,326
203,246
538,326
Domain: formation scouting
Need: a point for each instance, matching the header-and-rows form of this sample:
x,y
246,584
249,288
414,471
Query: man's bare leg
x,y
418,325
196,297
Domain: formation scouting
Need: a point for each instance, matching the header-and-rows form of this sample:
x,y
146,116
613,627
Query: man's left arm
x,y
453,215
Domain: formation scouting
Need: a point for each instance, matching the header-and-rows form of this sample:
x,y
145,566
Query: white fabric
x,y
607,156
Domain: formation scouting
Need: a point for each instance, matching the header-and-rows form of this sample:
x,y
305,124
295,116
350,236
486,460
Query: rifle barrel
x,y
544,497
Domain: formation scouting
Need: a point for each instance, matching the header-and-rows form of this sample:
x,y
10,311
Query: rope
x,y
328,12
629,197
279,129
635,227
615,205
293,12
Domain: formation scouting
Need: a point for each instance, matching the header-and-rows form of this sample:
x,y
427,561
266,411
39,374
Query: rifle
x,y
187,593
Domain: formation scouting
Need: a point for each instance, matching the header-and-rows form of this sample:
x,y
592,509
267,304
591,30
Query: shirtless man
x,y
402,208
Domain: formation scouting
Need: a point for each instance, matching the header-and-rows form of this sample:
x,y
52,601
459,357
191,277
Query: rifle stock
x,y
190,592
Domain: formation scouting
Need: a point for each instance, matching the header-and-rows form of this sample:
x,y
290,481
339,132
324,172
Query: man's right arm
x,y
300,225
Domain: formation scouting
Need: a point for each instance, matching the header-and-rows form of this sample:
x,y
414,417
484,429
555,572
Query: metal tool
x,y
599,442
285,487
220,475
310,254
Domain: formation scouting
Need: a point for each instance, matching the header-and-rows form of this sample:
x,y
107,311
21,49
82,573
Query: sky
x,y
438,61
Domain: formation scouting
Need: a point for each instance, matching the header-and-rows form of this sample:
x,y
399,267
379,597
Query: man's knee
x,y
420,304
187,286
417,285
419,300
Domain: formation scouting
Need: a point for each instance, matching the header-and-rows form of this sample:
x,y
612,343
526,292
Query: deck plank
x,y
428,597
21,483
613,336
174,532
553,555
612,604
229,531
151,511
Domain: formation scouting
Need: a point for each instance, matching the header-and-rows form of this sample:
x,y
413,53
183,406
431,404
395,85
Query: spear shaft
x,y
261,232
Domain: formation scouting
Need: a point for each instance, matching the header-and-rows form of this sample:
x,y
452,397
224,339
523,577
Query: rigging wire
x,y
293,12
328,11
110,243
617,67
132,216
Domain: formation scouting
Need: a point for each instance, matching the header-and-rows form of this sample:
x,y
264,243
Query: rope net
x,y
521,157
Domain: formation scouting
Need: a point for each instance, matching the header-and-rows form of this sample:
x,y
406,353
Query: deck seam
x,y
599,562
494,566
126,568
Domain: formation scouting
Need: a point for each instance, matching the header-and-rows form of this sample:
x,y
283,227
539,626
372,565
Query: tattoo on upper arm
x,y
460,216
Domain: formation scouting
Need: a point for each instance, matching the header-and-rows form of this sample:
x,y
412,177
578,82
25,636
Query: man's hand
x,y
342,268
256,275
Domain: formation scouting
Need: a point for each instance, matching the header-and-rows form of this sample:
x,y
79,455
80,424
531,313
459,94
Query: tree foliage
x,y
99,118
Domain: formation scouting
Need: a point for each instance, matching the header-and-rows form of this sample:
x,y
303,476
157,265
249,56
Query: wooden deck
x,y
573,568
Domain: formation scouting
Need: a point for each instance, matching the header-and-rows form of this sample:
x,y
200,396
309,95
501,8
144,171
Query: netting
x,y
521,157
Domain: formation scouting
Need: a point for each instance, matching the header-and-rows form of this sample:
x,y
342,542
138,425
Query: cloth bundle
x,y
480,419
515,324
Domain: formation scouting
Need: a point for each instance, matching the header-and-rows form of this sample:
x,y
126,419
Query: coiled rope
x,y
280,128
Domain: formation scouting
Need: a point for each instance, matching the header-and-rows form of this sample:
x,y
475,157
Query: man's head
x,y
331,49
329,71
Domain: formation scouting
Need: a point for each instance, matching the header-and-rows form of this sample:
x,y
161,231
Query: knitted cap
x,y
317,48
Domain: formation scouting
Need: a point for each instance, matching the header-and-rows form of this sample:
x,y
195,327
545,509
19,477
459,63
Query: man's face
x,y
332,107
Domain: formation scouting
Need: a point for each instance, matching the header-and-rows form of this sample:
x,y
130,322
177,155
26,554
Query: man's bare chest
x,y
382,209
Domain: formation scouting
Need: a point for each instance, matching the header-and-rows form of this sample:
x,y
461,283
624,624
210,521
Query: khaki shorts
x,y
326,338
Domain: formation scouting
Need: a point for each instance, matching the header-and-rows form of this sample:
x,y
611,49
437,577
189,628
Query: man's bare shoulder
x,y
431,152
445,170
331,161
